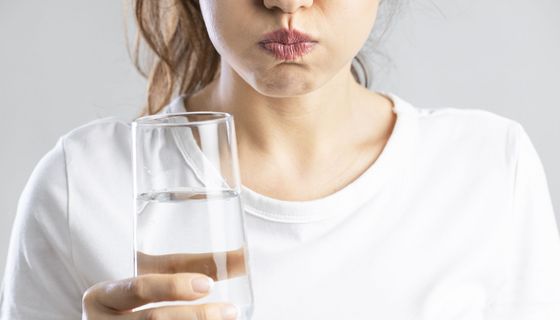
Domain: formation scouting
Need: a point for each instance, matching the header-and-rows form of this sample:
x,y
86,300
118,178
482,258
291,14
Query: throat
x,y
285,182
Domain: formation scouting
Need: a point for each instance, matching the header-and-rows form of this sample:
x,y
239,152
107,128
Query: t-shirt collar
x,y
388,171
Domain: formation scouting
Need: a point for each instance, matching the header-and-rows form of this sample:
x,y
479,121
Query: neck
x,y
300,126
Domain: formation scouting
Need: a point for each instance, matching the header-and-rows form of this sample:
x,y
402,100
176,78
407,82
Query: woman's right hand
x,y
116,299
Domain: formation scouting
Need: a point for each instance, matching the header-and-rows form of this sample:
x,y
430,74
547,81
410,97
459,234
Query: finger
x,y
134,292
204,263
208,311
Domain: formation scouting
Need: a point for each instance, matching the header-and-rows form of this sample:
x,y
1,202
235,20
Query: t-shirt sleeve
x,y
40,281
532,276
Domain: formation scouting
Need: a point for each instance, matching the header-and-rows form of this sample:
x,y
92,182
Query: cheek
x,y
228,24
212,12
235,27
356,17
353,21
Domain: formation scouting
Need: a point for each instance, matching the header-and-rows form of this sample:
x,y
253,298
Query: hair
x,y
181,59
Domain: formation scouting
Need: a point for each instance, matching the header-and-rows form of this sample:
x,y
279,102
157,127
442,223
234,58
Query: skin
x,y
305,129
296,120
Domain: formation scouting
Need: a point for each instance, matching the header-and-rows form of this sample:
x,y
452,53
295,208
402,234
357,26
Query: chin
x,y
285,86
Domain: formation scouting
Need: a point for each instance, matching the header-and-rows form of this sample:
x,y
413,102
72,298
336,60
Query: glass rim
x,y
145,120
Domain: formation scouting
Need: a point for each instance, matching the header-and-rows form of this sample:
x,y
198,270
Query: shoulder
x,y
101,142
98,132
453,124
460,121
484,137
82,150
468,125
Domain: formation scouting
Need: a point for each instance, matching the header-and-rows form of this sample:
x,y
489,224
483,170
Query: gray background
x,y
64,63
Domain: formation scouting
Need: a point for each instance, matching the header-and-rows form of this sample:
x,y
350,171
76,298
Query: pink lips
x,y
287,44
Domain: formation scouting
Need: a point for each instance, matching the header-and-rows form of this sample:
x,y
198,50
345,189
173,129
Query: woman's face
x,y
339,27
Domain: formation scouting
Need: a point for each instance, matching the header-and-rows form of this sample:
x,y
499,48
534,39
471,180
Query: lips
x,y
287,44
288,51
286,36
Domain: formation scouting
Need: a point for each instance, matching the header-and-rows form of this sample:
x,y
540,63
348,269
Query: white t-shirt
x,y
452,221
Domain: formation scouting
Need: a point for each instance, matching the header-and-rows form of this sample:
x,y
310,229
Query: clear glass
x,y
188,214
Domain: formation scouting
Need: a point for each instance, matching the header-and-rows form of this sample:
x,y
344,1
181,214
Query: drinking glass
x,y
188,213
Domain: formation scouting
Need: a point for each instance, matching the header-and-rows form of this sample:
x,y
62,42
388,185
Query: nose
x,y
288,6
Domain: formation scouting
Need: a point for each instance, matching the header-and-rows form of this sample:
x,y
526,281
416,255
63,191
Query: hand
x,y
194,262
116,299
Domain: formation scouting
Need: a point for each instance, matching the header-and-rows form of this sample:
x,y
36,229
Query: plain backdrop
x,y
64,63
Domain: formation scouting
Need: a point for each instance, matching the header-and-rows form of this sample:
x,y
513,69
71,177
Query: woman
x,y
358,204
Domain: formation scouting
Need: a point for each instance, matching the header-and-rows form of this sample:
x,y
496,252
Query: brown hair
x,y
185,59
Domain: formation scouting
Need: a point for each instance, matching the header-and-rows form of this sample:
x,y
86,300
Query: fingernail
x,y
229,312
202,284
